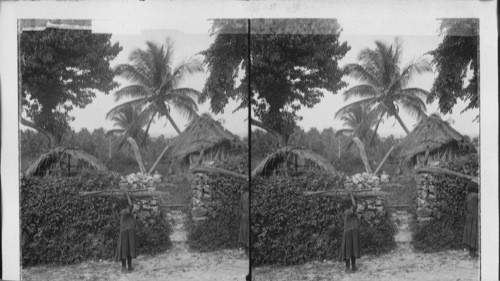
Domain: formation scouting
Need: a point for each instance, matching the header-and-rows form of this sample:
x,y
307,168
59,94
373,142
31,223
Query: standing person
x,y
349,249
471,228
126,249
244,237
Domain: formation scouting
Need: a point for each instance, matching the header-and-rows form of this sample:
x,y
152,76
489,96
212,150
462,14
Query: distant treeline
x,y
326,143
96,143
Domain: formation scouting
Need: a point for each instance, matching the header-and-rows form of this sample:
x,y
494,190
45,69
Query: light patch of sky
x,y
190,38
418,38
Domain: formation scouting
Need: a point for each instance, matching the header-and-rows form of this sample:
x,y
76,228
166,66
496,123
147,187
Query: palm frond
x,y
413,105
137,102
363,74
411,69
133,74
365,102
132,91
362,91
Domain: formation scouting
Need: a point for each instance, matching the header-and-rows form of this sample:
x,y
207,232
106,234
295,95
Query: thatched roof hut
x,y
291,158
64,161
204,138
436,136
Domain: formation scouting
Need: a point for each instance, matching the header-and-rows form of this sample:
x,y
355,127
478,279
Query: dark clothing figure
x,y
471,228
244,236
127,240
126,248
350,240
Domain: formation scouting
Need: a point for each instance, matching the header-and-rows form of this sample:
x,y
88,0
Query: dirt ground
x,y
401,264
178,263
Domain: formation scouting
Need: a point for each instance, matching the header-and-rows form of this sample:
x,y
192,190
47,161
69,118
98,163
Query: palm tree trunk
x,y
166,147
401,123
172,122
147,129
376,128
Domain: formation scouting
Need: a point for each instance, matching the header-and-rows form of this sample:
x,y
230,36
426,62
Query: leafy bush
x,y
60,227
445,231
122,163
288,228
221,229
349,163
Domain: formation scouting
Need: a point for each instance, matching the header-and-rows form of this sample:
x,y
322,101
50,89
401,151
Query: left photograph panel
x,y
133,147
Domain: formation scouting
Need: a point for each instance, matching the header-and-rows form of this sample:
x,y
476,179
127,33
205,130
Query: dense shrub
x,y
349,163
288,228
60,227
122,163
445,231
221,229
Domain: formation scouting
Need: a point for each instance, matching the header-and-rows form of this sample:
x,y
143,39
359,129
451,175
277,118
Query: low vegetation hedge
x,y
445,230
288,228
60,227
221,229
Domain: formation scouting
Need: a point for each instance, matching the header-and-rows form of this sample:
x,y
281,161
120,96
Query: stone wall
x,y
202,197
144,208
369,209
426,200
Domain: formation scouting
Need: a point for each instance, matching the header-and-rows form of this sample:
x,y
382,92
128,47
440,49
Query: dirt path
x,y
401,264
178,263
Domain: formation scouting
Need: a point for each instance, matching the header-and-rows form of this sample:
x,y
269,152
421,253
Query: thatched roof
x,y
202,133
273,161
432,132
57,154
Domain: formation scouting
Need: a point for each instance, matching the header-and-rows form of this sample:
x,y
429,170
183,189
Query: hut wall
x,y
372,210
426,200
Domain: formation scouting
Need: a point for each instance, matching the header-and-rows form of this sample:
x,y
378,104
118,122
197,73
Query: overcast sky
x,y
192,37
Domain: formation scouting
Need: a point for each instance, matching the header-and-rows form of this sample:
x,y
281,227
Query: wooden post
x,y
435,170
218,171
109,154
339,148
363,154
346,193
141,193
159,158
383,160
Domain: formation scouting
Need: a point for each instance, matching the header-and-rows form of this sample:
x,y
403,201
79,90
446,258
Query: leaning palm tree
x,y
359,120
129,122
155,83
385,83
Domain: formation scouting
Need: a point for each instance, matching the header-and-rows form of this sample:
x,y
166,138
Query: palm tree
x,y
155,83
359,120
129,122
385,83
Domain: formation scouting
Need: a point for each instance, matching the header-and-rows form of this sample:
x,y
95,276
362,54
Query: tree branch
x,y
50,137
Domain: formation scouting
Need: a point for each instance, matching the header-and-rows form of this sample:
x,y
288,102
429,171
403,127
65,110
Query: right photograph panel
x,y
364,149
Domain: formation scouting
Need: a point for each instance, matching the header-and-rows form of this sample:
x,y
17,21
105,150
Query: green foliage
x,y
446,228
296,58
288,228
63,68
455,56
221,229
60,227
